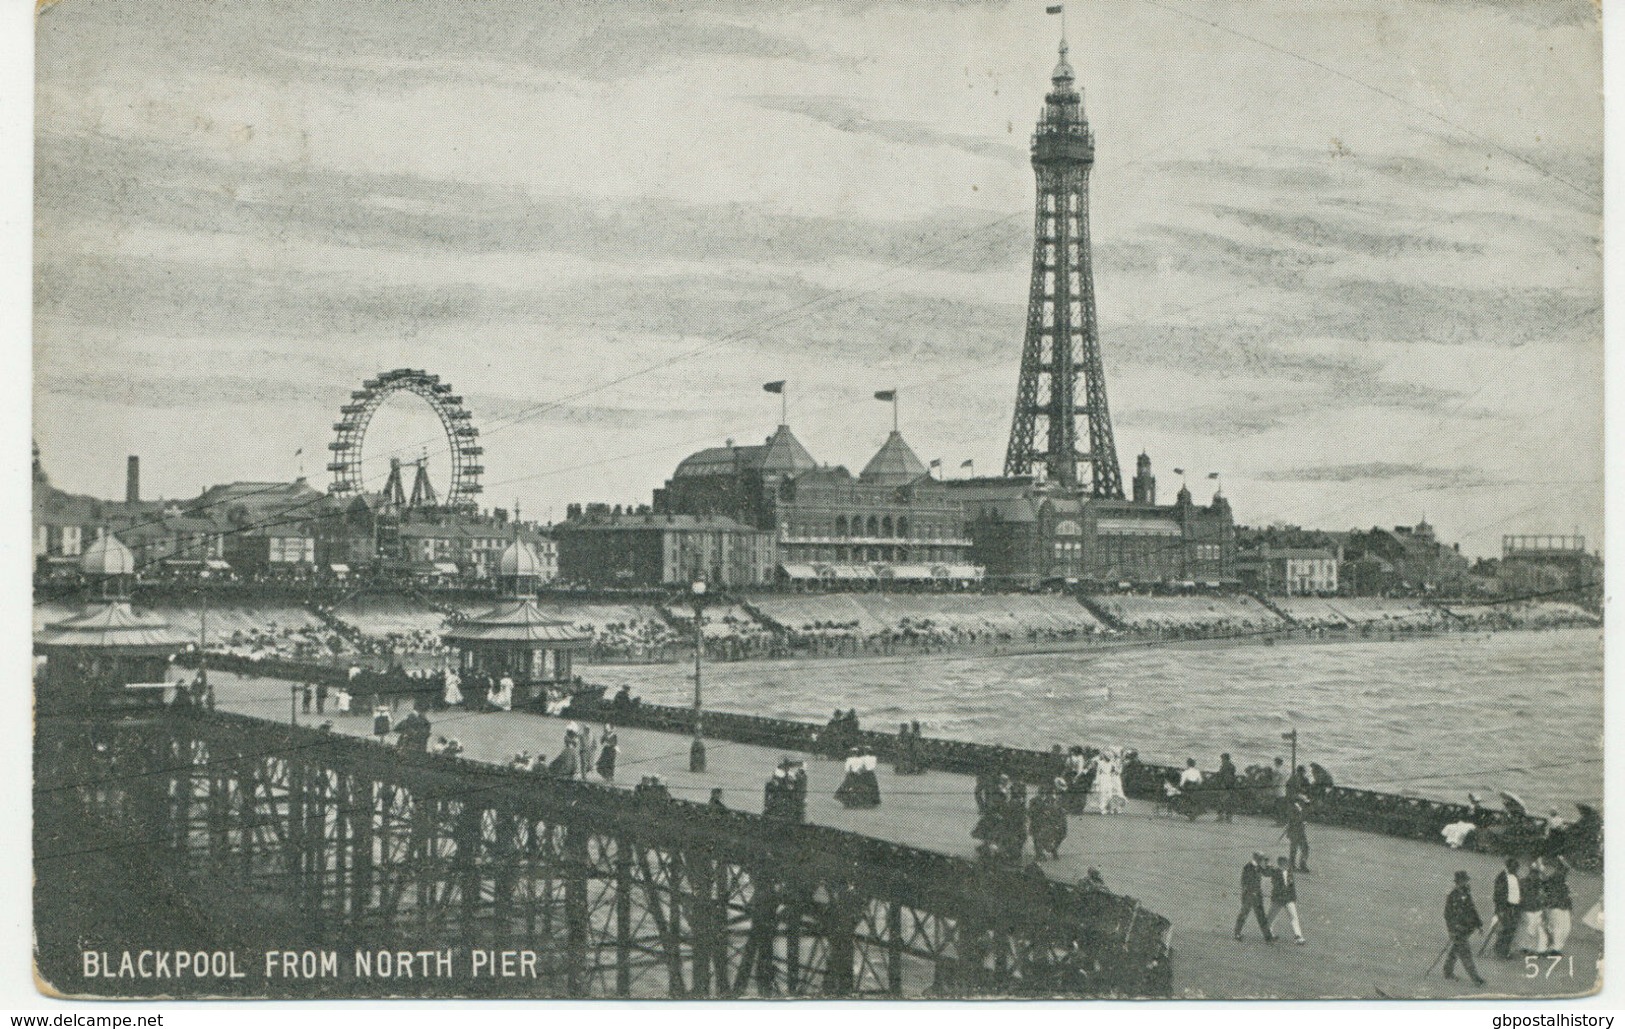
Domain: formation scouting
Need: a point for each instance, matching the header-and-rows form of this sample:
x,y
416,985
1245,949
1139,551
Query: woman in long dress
x,y
502,694
1109,782
608,754
453,695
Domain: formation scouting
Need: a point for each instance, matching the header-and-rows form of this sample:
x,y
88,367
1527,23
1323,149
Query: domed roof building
x,y
892,521
520,562
109,655
515,638
106,558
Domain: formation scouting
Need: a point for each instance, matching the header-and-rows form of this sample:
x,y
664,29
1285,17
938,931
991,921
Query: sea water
x,y
1427,715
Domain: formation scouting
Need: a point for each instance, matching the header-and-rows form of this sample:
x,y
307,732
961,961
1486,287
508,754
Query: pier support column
x,y
576,854
623,917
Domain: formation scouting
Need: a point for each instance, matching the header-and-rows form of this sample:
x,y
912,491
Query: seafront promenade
x,y
1372,906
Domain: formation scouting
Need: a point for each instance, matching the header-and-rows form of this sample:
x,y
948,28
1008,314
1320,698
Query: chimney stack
x,y
132,481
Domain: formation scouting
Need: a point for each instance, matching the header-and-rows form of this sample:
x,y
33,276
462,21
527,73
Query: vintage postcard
x,y
896,499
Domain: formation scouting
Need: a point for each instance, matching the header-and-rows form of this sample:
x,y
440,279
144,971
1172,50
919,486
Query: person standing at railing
x,y
1278,780
1297,835
1224,789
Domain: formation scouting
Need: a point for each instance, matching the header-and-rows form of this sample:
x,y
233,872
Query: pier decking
x,y
1372,906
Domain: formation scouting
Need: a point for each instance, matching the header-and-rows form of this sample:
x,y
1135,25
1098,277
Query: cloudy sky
x,y
1347,255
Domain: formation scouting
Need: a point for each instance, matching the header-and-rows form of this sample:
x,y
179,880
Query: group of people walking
x,y
1086,772
1533,908
785,794
909,759
579,757
1006,818
1283,895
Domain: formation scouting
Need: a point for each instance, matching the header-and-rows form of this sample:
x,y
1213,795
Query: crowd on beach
x,y
664,638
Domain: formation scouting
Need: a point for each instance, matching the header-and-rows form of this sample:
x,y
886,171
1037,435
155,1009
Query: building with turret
x,y
1029,533
891,521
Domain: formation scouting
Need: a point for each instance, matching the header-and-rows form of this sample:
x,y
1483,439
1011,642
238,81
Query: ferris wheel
x,y
462,438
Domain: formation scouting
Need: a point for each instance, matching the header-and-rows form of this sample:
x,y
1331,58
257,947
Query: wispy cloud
x,y
93,178
1382,471
846,116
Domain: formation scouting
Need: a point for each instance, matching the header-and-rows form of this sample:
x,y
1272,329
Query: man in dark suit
x,y
1508,901
1461,921
1224,789
1252,896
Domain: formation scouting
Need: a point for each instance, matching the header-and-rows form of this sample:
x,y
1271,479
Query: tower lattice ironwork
x,y
1060,361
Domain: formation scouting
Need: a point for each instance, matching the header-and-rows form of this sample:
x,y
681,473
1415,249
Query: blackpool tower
x,y
1061,374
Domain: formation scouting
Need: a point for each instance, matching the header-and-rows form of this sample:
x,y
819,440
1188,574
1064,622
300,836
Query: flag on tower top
x,y
1056,9
937,463
886,394
1213,475
967,464
775,387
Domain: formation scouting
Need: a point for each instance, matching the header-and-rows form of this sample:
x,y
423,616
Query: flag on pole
x,y
937,463
886,394
301,450
1179,471
1213,475
967,464
774,387
1056,9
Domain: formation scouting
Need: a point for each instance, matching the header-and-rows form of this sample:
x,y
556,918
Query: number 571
x,y
1531,965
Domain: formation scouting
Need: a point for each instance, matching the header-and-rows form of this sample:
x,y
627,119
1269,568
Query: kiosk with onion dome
x,y
109,655
515,638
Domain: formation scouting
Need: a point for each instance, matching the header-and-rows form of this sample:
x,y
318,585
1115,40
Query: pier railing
x,y
1390,814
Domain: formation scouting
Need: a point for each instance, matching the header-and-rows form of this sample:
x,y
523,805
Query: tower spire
x,y
1061,372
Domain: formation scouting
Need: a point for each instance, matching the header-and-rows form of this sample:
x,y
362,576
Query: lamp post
x,y
696,750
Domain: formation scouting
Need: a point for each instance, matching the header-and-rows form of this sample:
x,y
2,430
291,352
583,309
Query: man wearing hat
x,y
1461,920
1252,896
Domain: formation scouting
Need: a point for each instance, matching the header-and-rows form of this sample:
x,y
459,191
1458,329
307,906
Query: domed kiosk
x,y
109,655
515,638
